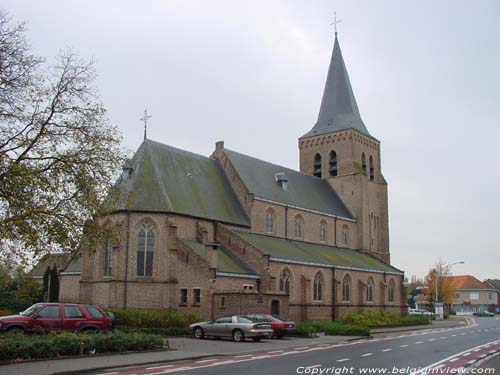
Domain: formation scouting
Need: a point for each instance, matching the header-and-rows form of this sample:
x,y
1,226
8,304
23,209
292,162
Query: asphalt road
x,y
402,354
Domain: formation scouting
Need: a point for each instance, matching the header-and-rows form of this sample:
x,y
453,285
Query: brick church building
x,y
231,233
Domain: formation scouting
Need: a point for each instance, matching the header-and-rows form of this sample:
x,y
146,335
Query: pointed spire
x,y
339,109
145,118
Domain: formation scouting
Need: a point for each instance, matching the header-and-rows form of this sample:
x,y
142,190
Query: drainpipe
x,y
126,262
334,295
335,231
286,222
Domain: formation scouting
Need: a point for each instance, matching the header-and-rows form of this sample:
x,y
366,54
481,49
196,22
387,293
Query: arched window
x,y
145,246
345,235
108,259
372,169
346,288
317,165
363,162
284,285
299,225
318,287
369,290
270,221
333,164
322,231
390,291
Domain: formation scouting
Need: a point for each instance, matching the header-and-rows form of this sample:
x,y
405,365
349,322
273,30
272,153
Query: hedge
x,y
22,346
154,318
309,328
14,306
169,331
382,318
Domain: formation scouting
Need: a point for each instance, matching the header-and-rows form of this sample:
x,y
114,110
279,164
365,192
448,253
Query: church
x,y
233,234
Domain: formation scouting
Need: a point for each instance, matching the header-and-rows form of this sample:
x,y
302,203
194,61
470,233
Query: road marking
x,y
463,334
301,347
454,359
418,342
275,351
206,360
432,339
108,373
366,354
403,346
342,360
386,350
150,368
260,357
444,337
243,355
471,362
454,335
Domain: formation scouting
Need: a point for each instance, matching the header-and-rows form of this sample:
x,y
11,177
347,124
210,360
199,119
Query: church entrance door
x,y
275,307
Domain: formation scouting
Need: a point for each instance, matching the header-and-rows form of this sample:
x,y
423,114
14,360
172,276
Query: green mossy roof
x,y
304,191
167,179
226,262
298,251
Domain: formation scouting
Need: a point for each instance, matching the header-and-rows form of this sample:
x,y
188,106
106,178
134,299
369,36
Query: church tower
x,y
340,149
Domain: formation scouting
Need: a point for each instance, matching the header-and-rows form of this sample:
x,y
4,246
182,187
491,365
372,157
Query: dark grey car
x,y
237,327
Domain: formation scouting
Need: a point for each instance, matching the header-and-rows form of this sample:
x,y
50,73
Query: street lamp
x,y
438,275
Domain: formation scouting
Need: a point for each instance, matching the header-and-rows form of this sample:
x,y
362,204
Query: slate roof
x,y
60,260
167,179
465,282
339,109
75,266
304,191
226,261
304,252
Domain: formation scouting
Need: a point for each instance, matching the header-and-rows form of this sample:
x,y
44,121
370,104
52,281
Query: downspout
x,y
286,222
335,231
334,295
126,263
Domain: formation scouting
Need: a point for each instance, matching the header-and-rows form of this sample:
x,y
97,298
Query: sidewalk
x,y
184,349
436,324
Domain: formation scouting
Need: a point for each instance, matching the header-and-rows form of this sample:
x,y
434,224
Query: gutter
x,y
303,209
323,265
241,275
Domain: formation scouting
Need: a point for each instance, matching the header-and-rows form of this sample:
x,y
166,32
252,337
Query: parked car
x,y
485,314
279,326
420,312
46,317
236,326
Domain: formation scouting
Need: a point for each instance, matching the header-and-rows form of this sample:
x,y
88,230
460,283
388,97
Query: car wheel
x,y
238,335
256,339
198,333
15,330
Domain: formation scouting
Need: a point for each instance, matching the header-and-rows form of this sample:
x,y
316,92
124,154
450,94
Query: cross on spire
x,y
335,22
145,118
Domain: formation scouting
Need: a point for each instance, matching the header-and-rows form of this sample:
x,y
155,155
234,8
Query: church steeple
x,y
339,109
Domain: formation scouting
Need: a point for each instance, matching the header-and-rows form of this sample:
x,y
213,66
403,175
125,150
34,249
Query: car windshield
x,y
276,317
30,310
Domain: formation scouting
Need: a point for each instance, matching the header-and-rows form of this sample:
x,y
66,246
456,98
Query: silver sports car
x,y
234,326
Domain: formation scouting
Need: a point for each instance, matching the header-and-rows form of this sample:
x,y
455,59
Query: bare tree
x,y
58,152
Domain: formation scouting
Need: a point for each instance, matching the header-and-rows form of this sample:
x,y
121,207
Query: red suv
x,y
46,317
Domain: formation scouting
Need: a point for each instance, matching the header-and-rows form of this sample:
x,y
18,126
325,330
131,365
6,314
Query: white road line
x,y
206,360
152,368
444,337
243,355
301,347
471,362
260,357
275,351
466,354
342,360
386,350
418,342
403,346
366,354
454,335
432,339
454,359
108,373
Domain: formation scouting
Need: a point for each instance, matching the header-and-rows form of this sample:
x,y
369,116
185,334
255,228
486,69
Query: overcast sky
x,y
426,76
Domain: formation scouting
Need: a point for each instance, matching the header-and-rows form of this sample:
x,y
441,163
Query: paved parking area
x,y
227,346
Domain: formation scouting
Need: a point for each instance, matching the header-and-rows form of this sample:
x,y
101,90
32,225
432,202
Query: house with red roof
x,y
471,295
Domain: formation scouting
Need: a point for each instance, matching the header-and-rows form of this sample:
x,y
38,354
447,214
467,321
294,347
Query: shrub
x,y
169,331
154,319
14,305
5,312
381,318
306,328
68,344
340,329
